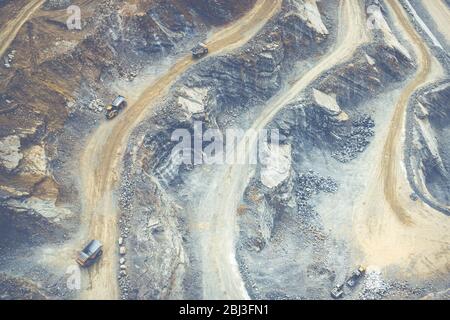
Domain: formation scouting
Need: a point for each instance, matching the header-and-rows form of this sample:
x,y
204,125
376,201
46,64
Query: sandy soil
x,y
9,31
100,164
393,230
441,15
221,276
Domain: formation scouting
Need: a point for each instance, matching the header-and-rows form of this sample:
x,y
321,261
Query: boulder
x,y
10,154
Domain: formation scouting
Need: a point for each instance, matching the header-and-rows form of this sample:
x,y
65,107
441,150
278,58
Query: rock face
x,y
192,100
156,259
428,148
10,154
329,105
19,289
219,11
34,161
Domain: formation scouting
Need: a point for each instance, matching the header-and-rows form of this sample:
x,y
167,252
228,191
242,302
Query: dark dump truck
x,y
90,254
114,108
199,51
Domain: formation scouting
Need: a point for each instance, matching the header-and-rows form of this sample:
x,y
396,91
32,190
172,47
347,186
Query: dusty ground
x,y
441,15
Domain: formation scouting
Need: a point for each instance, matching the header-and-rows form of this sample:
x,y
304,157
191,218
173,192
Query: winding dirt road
x,y
221,275
101,161
391,228
12,27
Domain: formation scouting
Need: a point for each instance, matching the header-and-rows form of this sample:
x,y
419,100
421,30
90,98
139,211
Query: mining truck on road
x,y
356,276
114,108
90,254
199,51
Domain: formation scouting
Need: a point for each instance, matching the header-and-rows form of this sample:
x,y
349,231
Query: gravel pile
x,y
309,184
356,140
374,287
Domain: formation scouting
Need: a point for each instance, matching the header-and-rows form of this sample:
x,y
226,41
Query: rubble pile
x,y
309,184
356,140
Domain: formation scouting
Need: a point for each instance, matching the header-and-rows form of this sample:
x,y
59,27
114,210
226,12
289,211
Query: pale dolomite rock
x,y
10,155
276,165
34,161
425,129
192,100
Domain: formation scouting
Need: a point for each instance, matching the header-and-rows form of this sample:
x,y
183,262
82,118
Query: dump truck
x,y
114,108
90,254
356,276
199,51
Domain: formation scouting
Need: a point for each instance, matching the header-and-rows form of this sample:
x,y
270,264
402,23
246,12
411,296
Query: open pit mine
x,y
224,150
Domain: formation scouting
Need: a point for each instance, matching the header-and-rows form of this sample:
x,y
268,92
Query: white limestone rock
x,y
10,154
